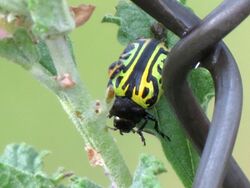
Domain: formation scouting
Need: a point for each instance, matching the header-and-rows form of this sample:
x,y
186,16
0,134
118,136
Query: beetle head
x,y
123,125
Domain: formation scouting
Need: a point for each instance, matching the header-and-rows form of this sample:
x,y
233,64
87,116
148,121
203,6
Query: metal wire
x,y
192,48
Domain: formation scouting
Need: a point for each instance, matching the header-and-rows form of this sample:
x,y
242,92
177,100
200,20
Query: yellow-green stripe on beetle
x,y
137,82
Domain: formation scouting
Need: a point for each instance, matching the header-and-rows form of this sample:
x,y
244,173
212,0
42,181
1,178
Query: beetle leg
x,y
110,115
115,129
139,131
156,127
143,125
133,131
142,137
112,128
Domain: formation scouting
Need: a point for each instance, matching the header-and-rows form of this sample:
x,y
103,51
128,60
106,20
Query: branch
x,y
40,46
89,122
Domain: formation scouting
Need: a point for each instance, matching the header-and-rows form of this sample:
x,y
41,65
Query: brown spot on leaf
x,y
65,81
95,158
97,106
79,115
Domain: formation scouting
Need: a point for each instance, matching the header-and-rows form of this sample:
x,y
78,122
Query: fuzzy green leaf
x,y
171,40
133,22
23,157
21,166
45,58
77,182
202,85
145,175
20,49
50,17
13,178
179,151
112,19
14,6
182,1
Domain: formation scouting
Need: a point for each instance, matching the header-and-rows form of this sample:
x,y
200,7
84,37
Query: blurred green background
x,y
30,113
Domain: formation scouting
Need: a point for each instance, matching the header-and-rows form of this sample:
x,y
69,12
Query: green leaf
x,y
182,1
45,58
21,166
83,183
112,19
134,22
179,151
14,6
23,157
50,17
20,49
13,178
202,85
171,40
145,175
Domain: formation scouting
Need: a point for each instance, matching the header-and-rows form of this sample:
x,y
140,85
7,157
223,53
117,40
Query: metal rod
x,y
227,80
226,116
193,120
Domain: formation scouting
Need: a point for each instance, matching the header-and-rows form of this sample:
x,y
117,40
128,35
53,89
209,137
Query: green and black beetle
x,y
137,82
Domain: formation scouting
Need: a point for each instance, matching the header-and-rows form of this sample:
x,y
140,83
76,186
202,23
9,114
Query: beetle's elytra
x,y
137,82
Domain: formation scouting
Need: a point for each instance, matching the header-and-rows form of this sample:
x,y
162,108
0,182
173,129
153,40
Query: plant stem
x,y
91,125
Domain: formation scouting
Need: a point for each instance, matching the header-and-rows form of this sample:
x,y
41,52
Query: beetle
x,y
136,79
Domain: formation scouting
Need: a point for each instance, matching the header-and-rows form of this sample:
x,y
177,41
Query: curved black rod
x,y
171,13
228,103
